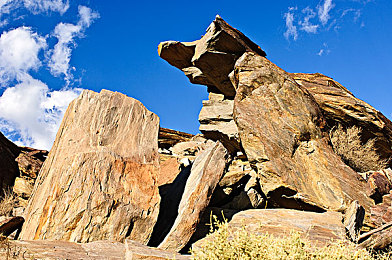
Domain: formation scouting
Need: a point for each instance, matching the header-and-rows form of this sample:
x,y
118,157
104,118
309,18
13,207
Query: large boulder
x,y
100,178
282,132
205,174
340,106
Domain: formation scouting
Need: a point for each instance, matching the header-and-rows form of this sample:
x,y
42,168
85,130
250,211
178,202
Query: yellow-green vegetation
x,y
225,244
348,145
7,202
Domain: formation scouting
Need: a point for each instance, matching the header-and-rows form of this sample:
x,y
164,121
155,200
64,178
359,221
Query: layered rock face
x,y
340,106
100,179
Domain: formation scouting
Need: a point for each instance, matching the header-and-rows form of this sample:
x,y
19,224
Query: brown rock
x,y
376,239
210,60
23,189
45,249
320,228
353,220
8,167
379,184
217,122
30,161
281,130
381,214
100,178
168,137
9,225
340,106
205,174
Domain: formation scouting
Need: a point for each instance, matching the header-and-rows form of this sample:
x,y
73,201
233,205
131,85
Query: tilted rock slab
x,y
8,166
281,131
100,179
206,172
340,106
320,228
44,249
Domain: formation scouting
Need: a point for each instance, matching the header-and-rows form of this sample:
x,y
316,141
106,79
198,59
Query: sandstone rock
x,y
168,137
23,189
45,249
11,224
8,166
353,220
205,174
191,147
217,122
340,106
319,228
376,239
100,178
210,60
282,132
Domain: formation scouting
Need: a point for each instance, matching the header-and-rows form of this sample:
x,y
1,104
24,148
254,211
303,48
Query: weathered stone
x,y
210,60
23,187
45,249
168,137
376,239
217,122
379,184
381,214
100,178
191,147
30,161
206,172
11,224
8,166
282,132
340,106
353,220
319,228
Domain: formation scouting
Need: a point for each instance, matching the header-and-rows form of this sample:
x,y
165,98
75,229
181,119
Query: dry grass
x,y
225,245
348,145
7,203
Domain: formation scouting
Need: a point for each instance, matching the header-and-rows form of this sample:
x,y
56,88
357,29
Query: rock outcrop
x,y
100,178
205,174
340,106
168,137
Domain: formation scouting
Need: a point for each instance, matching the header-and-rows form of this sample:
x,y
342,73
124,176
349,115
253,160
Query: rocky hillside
x,y
278,152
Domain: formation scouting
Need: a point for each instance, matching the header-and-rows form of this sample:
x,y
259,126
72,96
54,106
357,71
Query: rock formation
x,y
8,166
100,178
340,106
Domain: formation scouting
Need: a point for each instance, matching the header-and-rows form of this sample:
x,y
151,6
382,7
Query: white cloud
x,y
40,6
324,50
323,11
19,49
306,25
32,112
60,56
291,29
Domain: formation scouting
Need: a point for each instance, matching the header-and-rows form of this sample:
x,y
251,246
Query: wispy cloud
x,y
306,25
323,11
324,50
60,56
291,28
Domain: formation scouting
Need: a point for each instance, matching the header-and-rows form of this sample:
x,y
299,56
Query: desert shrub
x,y
225,245
348,145
7,202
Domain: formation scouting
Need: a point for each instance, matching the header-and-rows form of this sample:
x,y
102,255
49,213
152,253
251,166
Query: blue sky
x,y
51,50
